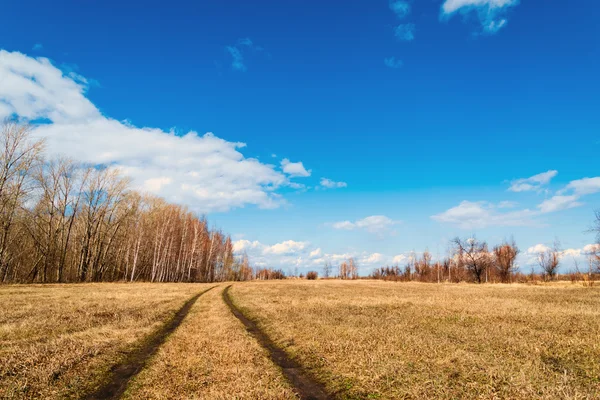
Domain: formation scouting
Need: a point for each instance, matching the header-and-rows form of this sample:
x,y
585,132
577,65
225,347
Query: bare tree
x,y
422,266
326,269
504,260
352,268
473,255
344,272
595,253
18,156
60,222
549,261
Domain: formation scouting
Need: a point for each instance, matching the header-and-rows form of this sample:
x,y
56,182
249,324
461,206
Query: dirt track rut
x,y
122,373
306,387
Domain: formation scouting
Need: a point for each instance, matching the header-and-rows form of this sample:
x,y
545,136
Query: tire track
x,y
122,373
306,387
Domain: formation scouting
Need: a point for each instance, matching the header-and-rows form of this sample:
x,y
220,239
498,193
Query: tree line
x,y
61,221
472,260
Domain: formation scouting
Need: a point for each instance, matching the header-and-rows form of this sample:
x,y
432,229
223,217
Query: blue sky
x,y
424,113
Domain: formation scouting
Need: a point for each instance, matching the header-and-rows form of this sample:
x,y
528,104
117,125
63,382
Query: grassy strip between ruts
x,y
60,341
210,356
368,339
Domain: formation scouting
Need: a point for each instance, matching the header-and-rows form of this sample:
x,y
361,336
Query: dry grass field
x,y
58,341
362,339
210,356
371,340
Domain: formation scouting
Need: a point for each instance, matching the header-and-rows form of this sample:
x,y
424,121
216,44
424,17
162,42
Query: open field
x,y
371,339
58,341
361,339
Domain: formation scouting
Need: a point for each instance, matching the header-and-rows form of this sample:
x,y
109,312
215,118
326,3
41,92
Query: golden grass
x,y
210,356
372,339
59,341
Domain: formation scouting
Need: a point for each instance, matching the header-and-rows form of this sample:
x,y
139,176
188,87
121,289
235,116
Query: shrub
x,y
312,275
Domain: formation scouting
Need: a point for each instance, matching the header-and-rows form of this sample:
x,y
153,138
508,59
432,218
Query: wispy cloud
x,y
392,62
535,182
235,51
490,13
37,47
570,195
400,7
237,64
378,224
329,184
583,186
405,32
482,214
558,203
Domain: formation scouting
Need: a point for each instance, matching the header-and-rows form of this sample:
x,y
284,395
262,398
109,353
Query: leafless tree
x,y
344,272
62,222
352,268
422,265
326,269
595,253
504,260
19,154
473,255
549,261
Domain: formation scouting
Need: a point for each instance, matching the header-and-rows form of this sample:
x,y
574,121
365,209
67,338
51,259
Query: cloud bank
x,y
203,171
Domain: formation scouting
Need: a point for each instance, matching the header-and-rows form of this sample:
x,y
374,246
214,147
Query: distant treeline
x,y
61,222
471,260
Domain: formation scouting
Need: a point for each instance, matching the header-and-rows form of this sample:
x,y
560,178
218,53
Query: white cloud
x,y
507,204
538,248
203,171
291,254
284,248
374,258
532,183
451,6
481,214
583,186
591,248
491,13
373,224
558,203
569,196
297,186
400,258
287,247
329,184
154,185
243,245
567,254
294,168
